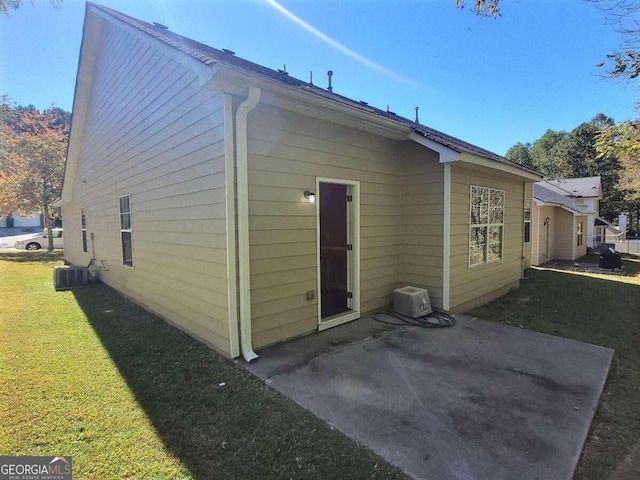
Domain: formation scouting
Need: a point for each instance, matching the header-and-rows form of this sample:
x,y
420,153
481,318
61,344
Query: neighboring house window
x,y
83,224
527,221
125,230
579,234
486,226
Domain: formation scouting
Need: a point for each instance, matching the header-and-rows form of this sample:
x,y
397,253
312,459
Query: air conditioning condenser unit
x,y
411,302
69,276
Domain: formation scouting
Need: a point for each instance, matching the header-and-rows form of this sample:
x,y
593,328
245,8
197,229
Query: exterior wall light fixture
x,y
310,196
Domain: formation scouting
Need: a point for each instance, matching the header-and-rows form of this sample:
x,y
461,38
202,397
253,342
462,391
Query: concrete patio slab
x,y
477,401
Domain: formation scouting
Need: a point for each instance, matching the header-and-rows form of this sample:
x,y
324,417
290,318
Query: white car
x,y
40,240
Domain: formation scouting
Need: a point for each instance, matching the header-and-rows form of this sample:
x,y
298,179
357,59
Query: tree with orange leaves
x,y
33,147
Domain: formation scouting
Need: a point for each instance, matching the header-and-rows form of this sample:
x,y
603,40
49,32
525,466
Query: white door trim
x,y
353,229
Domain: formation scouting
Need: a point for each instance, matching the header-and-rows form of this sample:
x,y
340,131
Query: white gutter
x,y
230,187
243,222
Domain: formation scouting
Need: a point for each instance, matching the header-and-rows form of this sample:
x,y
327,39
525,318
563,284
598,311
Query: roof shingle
x,y
548,195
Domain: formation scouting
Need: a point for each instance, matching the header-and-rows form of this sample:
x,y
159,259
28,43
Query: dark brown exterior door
x,y
333,249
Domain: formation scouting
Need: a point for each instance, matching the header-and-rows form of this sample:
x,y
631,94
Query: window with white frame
x,y
83,227
579,234
527,221
126,233
486,225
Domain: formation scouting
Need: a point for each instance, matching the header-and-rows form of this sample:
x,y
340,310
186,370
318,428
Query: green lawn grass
x,y
88,374
604,310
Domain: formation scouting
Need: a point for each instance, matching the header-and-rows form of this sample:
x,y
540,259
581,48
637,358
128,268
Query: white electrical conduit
x,y
243,222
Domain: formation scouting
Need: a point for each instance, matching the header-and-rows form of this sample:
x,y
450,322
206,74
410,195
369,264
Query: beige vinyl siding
x,y
563,227
287,151
470,286
421,199
153,133
564,231
539,245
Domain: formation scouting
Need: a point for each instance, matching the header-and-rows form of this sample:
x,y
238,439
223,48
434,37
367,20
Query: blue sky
x,y
492,82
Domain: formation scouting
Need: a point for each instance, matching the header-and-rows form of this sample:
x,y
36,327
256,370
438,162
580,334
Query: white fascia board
x,y
447,154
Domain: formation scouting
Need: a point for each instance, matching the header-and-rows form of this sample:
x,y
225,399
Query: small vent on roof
x,y
363,102
417,118
283,70
389,111
230,52
159,25
330,74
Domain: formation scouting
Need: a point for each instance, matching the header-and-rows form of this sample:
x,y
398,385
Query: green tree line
x,y
561,154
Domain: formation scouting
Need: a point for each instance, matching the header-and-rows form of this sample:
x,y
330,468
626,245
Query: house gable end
x,y
96,20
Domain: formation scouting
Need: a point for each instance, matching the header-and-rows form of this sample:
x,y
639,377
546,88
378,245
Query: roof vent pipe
x,y
311,77
417,119
330,74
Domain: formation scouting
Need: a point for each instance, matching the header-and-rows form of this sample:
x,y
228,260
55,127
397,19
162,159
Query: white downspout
x,y
243,222
230,185
446,240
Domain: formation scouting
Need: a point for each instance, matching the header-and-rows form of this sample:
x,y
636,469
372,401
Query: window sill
x,y
486,263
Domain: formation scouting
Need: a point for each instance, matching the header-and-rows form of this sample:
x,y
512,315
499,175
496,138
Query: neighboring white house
x,y
585,194
559,226
248,207
34,220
